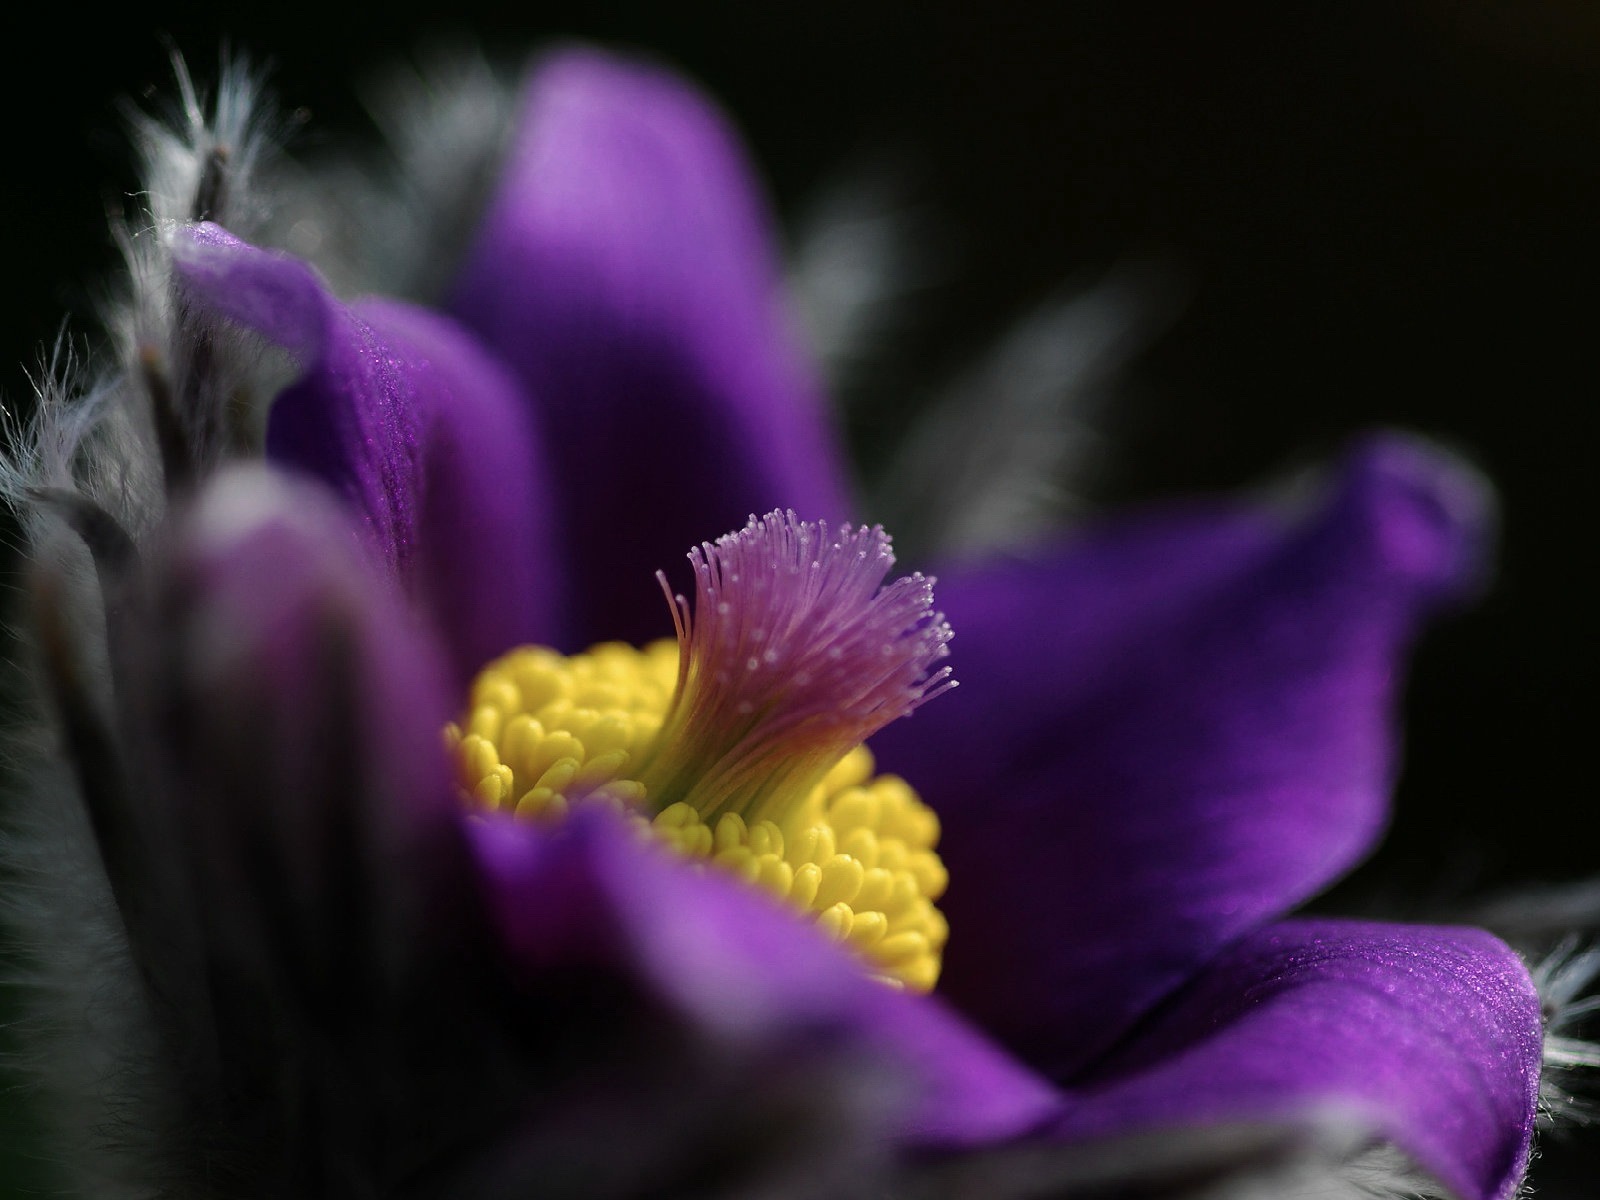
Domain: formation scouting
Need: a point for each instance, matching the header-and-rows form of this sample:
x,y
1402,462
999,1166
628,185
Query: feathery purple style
x,y
1171,730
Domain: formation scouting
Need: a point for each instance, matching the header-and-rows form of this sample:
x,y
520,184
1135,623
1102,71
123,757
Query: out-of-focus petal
x,y
1428,1038
746,972
1171,731
626,271
323,953
427,438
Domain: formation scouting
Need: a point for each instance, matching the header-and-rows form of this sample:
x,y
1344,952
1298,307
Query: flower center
x,y
740,744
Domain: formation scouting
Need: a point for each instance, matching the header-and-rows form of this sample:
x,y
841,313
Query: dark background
x,y
1378,213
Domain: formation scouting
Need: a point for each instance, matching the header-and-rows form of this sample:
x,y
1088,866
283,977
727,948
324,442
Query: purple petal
x,y
415,426
1426,1038
743,970
304,698
259,583
1171,731
626,271
324,949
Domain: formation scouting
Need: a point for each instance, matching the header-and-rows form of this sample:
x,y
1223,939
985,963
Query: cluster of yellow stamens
x,y
740,745
546,733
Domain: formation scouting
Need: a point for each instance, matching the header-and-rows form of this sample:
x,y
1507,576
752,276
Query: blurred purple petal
x,y
420,431
626,271
1171,731
331,910
741,968
258,587
1427,1037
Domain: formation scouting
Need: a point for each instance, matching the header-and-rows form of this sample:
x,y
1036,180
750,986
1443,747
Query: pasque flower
x,y
379,905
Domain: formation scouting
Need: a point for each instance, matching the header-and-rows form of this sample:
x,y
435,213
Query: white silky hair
x,y
90,442
397,219
207,159
176,147
1377,1171
1003,452
1005,448
1312,1155
91,431
864,254
1567,977
41,450
1556,929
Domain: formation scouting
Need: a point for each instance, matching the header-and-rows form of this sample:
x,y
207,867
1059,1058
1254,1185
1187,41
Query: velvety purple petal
x,y
1428,1038
626,271
427,438
742,969
1169,731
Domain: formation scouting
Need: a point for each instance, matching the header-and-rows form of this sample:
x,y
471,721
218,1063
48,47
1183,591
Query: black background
x,y
1379,213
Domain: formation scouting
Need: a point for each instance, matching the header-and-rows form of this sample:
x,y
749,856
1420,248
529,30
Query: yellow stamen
x,y
545,734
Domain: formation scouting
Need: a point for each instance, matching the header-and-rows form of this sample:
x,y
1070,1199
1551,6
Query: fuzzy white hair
x,y
168,386
1004,449
996,459
1556,929
397,222
88,473
1315,1156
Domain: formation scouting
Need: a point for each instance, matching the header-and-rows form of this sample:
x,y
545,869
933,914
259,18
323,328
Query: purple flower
x,y
1171,731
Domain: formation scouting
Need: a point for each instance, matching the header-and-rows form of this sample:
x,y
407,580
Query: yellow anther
x,y
612,732
766,839
868,928
927,869
731,829
677,816
521,738
625,793
841,880
600,769
836,920
486,723
807,879
861,845
902,946
855,809
547,734
541,804
876,887
815,843
493,788
776,875
559,774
